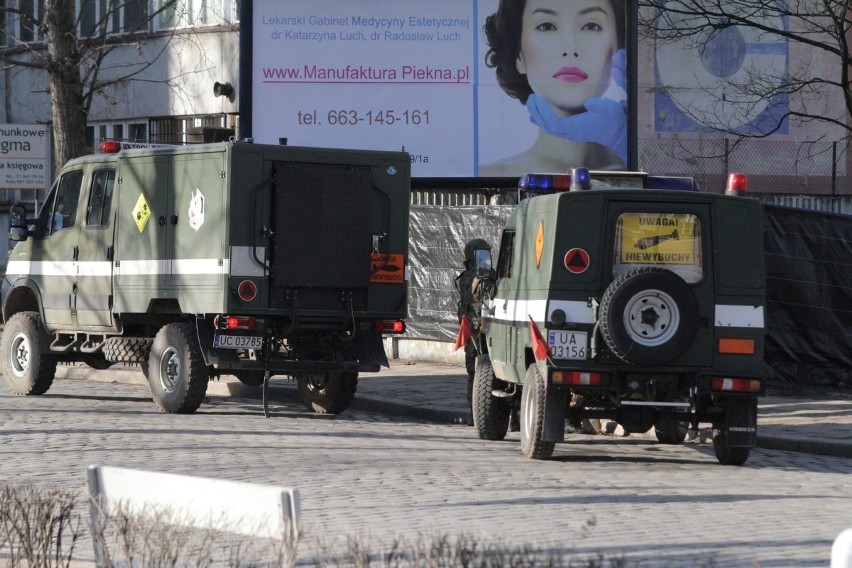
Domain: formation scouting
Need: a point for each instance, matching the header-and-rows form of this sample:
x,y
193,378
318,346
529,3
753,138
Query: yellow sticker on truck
x,y
659,238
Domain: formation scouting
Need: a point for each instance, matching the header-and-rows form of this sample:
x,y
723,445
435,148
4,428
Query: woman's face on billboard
x,y
566,50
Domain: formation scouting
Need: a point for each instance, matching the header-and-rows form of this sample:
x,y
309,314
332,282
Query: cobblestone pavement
x,y
378,475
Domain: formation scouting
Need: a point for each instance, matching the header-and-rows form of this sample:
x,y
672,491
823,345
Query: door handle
x,y
75,252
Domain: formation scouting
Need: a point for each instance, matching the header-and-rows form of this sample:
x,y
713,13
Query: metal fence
x,y
773,166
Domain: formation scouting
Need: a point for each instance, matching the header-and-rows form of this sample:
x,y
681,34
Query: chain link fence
x,y
773,166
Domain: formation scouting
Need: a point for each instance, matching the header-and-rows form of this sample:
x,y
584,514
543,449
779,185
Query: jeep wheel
x,y
533,401
250,378
648,316
726,454
327,393
670,430
177,375
27,366
490,413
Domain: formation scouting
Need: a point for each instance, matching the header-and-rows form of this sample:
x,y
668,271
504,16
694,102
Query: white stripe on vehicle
x,y
519,311
180,266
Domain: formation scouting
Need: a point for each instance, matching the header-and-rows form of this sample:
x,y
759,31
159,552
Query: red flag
x,y
540,348
464,334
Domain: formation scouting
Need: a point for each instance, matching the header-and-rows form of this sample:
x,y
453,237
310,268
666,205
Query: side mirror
x,y
18,230
482,261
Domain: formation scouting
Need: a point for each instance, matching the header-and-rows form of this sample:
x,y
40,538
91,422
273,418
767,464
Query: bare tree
x,y
74,59
805,89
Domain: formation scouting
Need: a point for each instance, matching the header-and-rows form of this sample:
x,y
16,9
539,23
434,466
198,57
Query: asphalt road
x,y
378,477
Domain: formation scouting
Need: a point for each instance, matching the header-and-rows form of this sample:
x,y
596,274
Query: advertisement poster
x,y
24,151
422,77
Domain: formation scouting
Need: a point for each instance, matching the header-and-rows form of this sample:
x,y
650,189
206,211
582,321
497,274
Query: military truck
x,y
196,261
628,297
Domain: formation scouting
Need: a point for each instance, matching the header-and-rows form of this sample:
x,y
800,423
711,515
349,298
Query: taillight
x,y
390,326
235,322
735,385
576,378
737,184
732,346
247,290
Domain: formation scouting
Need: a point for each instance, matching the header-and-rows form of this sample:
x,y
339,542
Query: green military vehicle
x,y
621,296
201,260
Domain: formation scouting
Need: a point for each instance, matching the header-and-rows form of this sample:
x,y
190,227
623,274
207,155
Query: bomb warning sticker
x,y
141,212
659,238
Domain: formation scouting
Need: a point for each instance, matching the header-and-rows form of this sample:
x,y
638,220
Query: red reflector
x,y
109,147
737,184
390,326
735,385
247,290
736,346
576,378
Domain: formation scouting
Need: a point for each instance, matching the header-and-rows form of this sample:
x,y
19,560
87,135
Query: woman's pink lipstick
x,y
571,75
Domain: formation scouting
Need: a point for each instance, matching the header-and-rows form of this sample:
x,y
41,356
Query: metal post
x,y
834,168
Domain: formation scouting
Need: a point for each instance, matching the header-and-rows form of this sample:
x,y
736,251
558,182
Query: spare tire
x,y
648,316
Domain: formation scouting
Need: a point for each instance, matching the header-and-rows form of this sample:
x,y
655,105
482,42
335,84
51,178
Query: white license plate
x,y
237,341
568,344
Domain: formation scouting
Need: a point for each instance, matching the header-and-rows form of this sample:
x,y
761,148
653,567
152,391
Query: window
x,y
504,261
28,18
672,240
60,209
100,198
172,14
137,132
93,17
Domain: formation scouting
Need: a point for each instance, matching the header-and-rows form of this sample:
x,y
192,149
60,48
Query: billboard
x,y
467,87
24,153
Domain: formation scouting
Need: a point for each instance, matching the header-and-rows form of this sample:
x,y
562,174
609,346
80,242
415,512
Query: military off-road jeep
x,y
627,297
196,261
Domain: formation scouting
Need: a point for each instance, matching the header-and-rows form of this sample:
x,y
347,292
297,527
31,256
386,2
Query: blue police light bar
x,y
531,185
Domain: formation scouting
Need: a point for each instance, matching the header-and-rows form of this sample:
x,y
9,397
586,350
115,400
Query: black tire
x,y
533,402
128,349
648,316
28,367
490,413
250,378
670,430
728,455
327,393
637,419
177,375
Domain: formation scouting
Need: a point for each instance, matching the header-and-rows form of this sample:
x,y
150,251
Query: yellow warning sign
x,y
387,268
539,244
141,212
659,238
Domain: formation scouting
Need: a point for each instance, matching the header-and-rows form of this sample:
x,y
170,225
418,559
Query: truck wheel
x,y
533,401
648,316
670,430
490,413
27,366
128,349
250,378
177,374
327,393
97,362
726,454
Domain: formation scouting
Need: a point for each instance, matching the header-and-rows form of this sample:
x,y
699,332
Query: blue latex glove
x,y
604,122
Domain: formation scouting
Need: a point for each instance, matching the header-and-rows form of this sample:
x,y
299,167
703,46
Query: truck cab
x,y
628,297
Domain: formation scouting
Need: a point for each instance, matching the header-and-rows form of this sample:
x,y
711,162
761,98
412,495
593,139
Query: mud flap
x,y
554,415
741,422
370,351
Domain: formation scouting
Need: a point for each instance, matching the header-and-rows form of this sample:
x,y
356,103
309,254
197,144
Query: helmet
x,y
474,245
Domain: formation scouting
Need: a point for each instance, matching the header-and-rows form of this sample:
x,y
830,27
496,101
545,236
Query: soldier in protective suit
x,y
473,291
